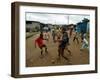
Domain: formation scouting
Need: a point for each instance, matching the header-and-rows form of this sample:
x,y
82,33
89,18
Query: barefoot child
x,y
46,36
62,44
84,43
76,37
40,42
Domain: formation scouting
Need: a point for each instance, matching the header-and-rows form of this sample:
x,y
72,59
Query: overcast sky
x,y
55,18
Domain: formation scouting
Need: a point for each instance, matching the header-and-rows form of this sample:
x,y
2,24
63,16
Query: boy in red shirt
x,y
41,44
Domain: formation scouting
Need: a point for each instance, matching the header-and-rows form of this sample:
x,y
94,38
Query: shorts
x,y
63,45
42,46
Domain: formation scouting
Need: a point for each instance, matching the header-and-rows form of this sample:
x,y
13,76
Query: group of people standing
x,y
62,37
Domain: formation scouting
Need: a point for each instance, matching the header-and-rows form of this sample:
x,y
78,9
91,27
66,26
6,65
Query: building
x,y
83,26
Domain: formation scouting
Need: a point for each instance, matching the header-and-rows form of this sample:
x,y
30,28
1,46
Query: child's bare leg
x,y
68,50
77,40
62,54
74,39
69,62
41,51
59,53
46,50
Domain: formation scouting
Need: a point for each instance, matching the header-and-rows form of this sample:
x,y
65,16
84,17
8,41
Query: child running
x,y
46,36
76,37
40,42
62,44
84,43
53,35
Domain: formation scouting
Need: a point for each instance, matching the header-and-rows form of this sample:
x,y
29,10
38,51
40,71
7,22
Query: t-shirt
x,y
39,41
85,41
65,37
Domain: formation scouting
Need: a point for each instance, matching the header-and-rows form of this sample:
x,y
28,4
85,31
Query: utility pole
x,y
68,19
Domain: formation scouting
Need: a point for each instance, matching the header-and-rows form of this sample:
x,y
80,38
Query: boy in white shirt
x,y
84,43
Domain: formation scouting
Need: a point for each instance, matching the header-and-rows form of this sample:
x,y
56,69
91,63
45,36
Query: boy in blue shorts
x,y
63,42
